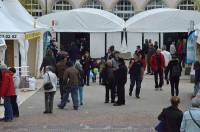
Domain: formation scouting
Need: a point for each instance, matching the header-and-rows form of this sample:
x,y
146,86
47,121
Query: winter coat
x,y
71,77
156,66
121,75
7,84
172,118
48,61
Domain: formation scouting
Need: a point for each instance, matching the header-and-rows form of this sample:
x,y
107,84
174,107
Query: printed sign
x,y
191,44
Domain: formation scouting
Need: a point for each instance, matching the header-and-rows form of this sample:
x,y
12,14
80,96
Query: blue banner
x,y
191,44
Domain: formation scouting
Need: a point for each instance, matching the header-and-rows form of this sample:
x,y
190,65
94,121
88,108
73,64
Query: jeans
x,y
74,94
80,89
15,106
86,77
196,88
174,81
138,82
8,114
49,96
61,87
160,74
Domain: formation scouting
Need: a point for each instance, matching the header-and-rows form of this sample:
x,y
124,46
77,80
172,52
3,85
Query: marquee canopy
x,y
15,19
83,20
162,20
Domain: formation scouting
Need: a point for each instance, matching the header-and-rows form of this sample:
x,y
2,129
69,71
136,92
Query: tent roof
x,y
84,20
15,18
162,20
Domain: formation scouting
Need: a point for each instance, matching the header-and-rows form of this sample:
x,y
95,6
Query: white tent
x,y
18,24
88,20
84,20
163,20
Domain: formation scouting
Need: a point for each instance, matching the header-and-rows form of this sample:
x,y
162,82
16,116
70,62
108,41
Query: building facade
x,y
123,8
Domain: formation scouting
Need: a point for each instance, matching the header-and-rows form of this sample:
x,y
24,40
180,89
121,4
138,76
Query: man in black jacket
x,y
121,79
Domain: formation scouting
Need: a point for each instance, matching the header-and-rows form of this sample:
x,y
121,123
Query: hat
x,y
196,102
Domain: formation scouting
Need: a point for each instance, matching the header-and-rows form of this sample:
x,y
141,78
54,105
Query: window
x,y
153,4
33,7
124,9
62,5
187,5
92,4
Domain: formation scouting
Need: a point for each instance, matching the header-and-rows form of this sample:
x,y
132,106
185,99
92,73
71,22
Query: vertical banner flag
x,y
191,44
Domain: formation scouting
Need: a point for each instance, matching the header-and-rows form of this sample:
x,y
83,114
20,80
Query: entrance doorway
x,y
173,37
9,54
81,41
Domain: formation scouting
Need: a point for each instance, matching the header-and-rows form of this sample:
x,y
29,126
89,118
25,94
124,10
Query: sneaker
x,y
106,102
130,93
75,107
60,107
45,112
116,104
81,103
112,101
137,96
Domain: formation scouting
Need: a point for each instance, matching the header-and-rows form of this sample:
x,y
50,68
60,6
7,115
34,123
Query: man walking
x,y
157,64
71,80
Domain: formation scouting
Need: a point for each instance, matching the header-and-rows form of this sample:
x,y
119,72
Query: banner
x,y
32,35
191,45
2,50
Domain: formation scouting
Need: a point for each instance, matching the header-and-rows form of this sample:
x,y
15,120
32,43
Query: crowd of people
x,y
71,74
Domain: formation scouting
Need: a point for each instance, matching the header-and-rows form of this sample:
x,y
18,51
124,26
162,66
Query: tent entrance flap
x,y
75,43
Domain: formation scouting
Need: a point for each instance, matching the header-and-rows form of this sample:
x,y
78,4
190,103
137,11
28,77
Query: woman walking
x,y
50,83
16,80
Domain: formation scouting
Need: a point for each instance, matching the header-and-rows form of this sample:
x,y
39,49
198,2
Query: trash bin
x,y
24,82
32,83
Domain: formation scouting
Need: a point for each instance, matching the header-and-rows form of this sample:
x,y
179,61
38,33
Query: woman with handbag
x,y
50,83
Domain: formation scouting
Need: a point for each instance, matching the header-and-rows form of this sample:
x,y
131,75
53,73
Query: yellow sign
x,y
32,35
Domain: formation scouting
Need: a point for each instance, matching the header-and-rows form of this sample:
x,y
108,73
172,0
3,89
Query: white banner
x,y
2,50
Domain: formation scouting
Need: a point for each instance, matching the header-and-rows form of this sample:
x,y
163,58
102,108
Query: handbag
x,y
160,127
48,85
194,119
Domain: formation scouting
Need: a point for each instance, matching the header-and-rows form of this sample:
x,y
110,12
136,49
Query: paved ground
x,y
95,116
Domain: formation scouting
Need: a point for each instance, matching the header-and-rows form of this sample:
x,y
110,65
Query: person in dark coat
x,y
121,79
60,68
174,68
86,63
136,74
48,60
172,116
109,82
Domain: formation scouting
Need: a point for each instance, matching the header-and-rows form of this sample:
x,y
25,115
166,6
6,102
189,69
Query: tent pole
x,y
142,40
159,40
105,46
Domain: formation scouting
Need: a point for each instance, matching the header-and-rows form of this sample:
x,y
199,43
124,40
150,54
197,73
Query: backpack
x,y
176,70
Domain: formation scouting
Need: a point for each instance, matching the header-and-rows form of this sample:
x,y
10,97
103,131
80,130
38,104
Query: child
x,y
102,65
94,69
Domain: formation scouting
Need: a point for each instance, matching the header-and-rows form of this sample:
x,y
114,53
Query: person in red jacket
x,y
6,91
158,64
